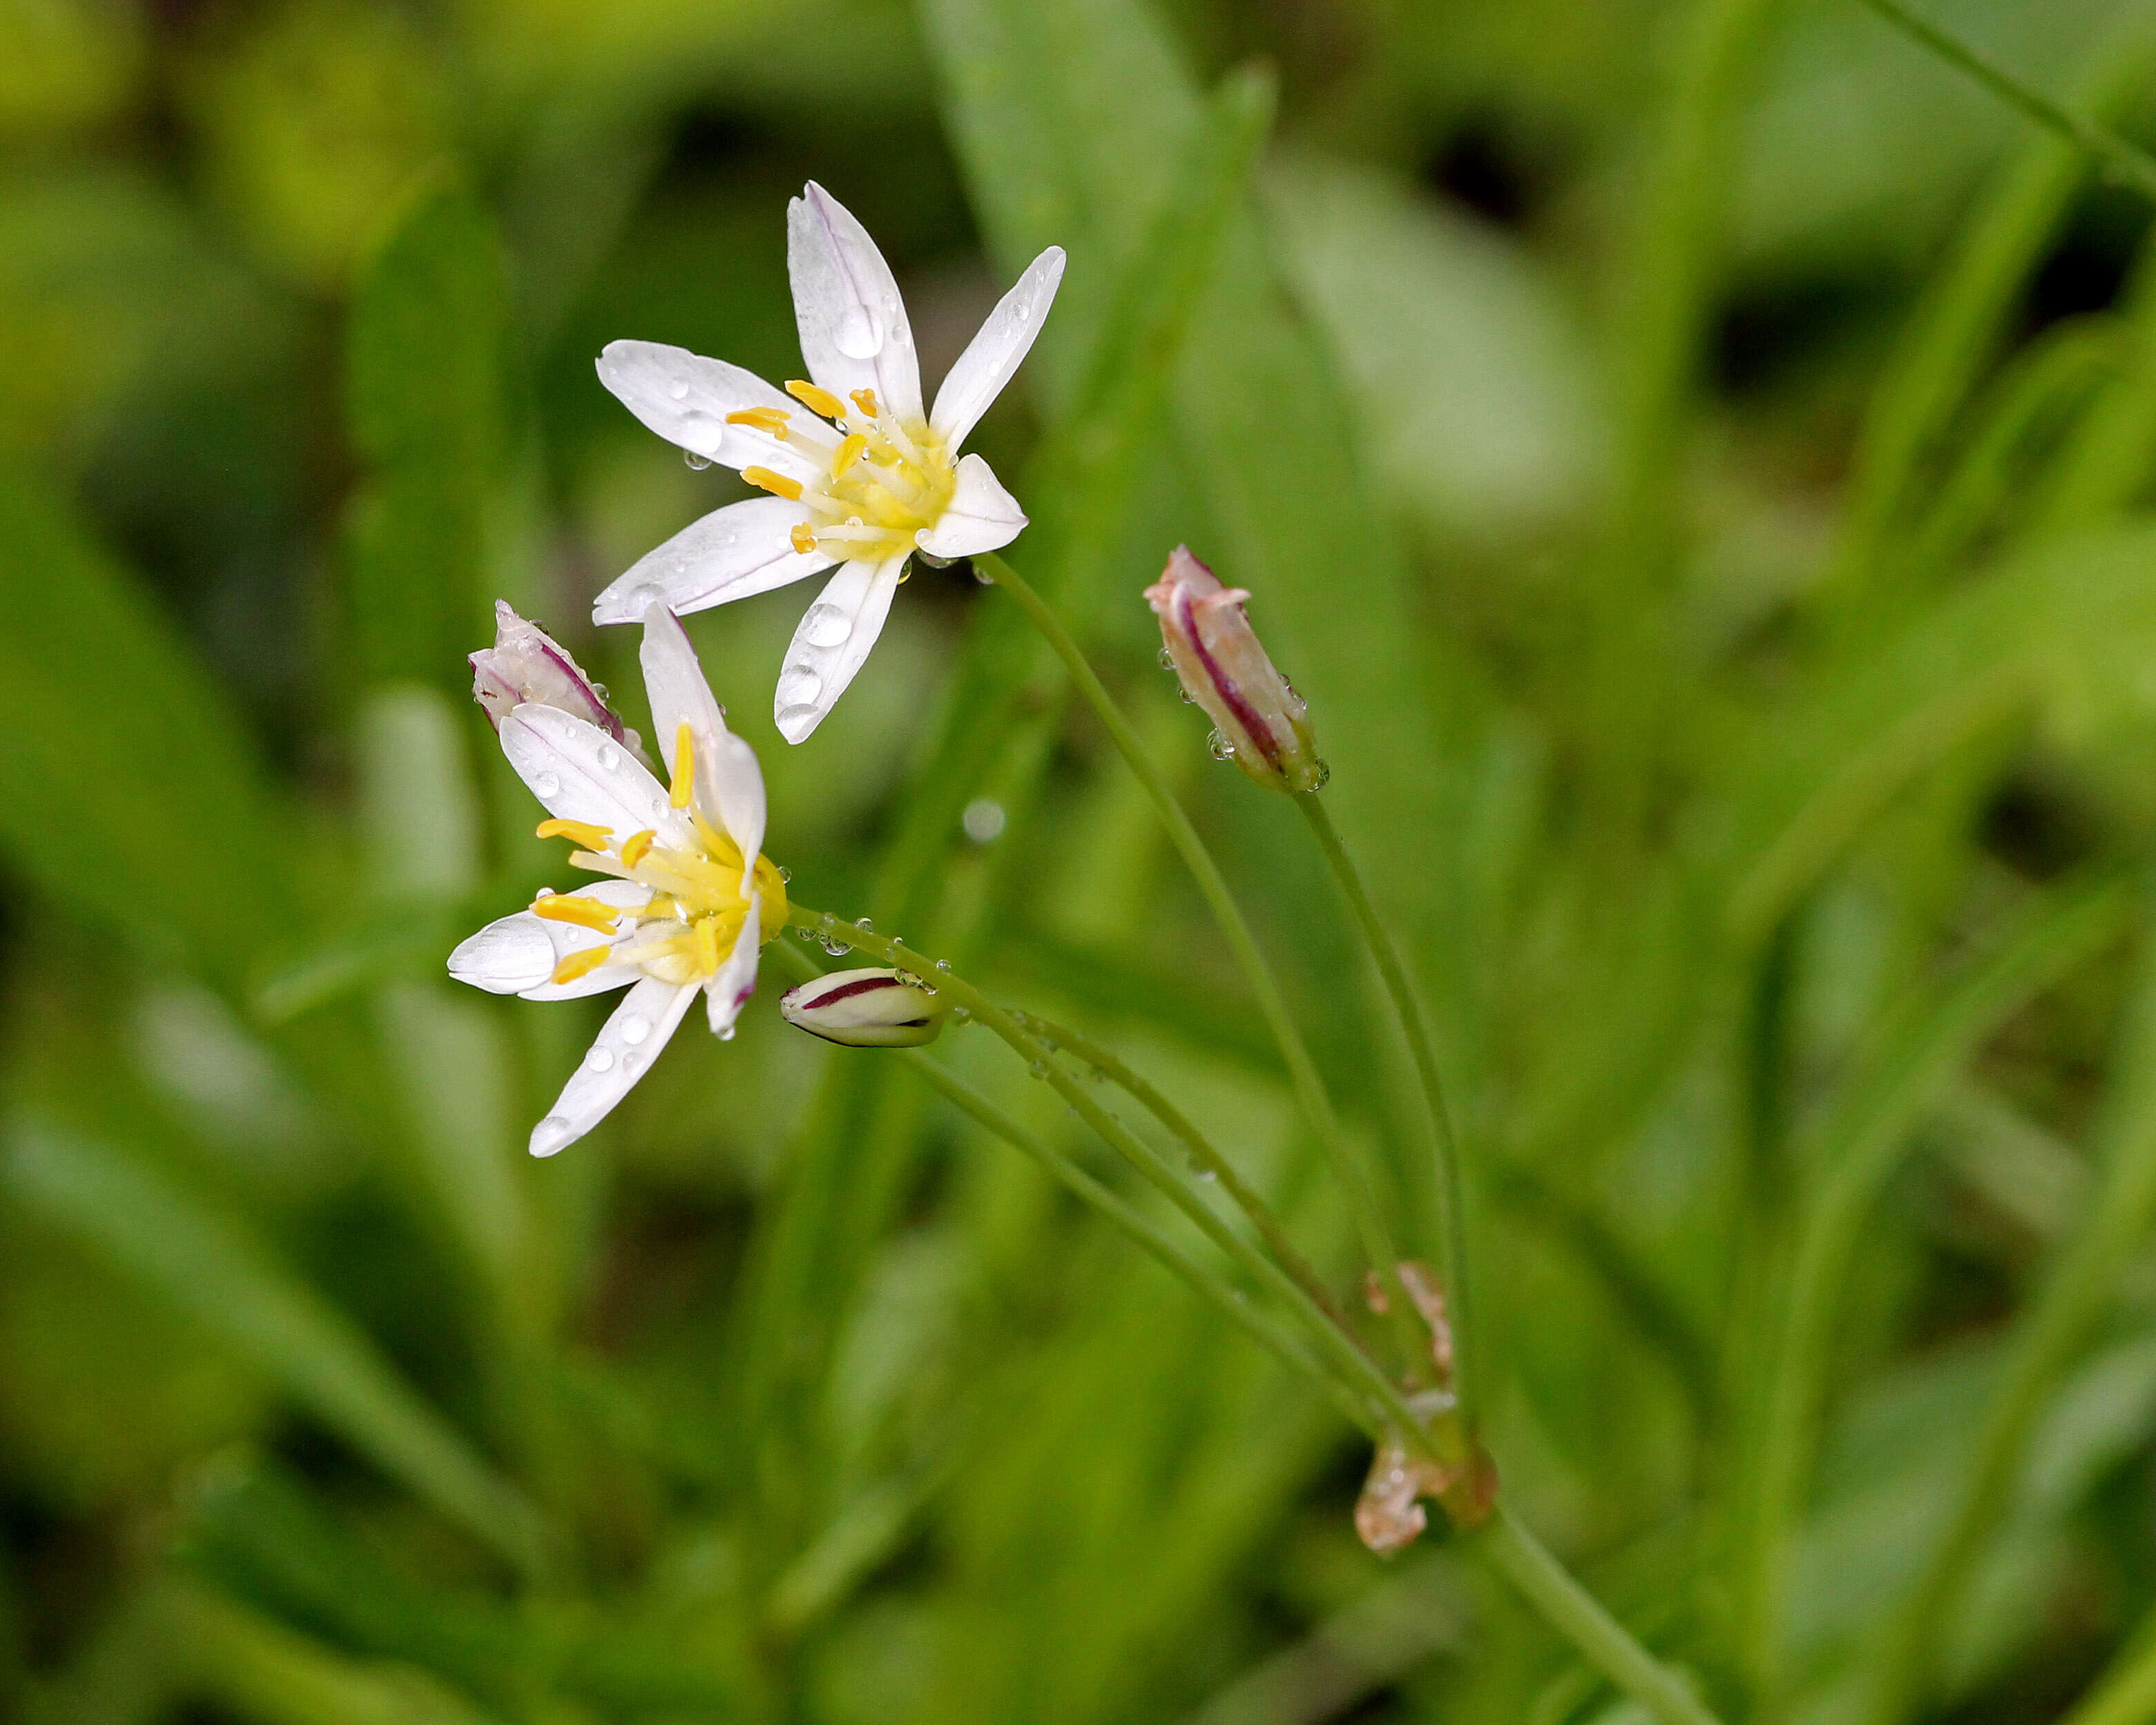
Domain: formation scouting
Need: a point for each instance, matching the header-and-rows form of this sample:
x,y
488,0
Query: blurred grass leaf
x,y
126,788
427,399
206,1264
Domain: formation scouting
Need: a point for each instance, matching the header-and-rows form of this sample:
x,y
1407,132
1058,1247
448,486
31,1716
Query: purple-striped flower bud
x,y
525,665
867,1008
1259,722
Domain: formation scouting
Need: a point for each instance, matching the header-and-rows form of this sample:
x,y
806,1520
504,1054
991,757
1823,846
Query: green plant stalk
x,y
1201,1148
1346,1355
2125,162
1525,1562
1516,1553
2044,1345
1134,1222
1443,1146
1317,1105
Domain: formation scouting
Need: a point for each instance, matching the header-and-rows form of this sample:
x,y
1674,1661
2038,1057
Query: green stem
x,y
1348,1360
1524,1561
1443,1146
1201,1149
1540,1578
1310,1089
2125,162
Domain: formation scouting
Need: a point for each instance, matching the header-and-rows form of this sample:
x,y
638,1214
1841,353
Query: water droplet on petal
x,y
727,1035
799,714
826,625
600,1059
799,686
678,389
943,965
1220,747
859,334
696,463
1167,660
545,784
1324,772
785,873
609,758
1024,311
634,1030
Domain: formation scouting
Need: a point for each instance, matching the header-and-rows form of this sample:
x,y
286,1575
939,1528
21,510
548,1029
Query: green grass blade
x,y
207,1265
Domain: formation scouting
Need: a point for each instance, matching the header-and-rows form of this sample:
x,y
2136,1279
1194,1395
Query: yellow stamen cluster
x,y
684,931
888,481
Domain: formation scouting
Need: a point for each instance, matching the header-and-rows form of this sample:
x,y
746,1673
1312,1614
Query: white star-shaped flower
x,y
858,475
689,900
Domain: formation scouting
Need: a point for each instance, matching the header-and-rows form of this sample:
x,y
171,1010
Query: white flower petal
x,y
729,785
992,357
853,329
516,954
733,553
633,1037
734,981
831,644
982,515
685,398
581,773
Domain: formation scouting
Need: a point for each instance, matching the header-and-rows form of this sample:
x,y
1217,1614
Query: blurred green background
x,y
1690,454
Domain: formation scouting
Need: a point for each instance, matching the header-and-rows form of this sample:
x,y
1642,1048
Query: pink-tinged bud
x,y
525,665
1259,721
867,1008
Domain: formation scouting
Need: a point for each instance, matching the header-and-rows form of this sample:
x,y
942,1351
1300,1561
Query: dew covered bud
x,y
867,1008
525,665
1260,723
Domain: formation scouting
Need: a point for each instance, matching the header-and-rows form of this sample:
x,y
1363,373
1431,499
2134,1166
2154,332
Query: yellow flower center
x,y
688,927
887,481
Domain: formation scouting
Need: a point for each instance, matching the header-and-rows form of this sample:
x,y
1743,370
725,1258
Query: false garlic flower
x,y
867,1008
858,474
525,664
690,899
1260,723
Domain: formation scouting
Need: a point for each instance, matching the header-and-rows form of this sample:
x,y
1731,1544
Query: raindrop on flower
x,y
943,965
798,714
859,334
1167,660
1220,747
727,1035
600,1059
798,685
634,1030
696,463
1324,772
834,945
866,923
545,784
679,390
826,625
785,875
609,758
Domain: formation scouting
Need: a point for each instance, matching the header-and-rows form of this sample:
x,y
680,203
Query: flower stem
x,y
1344,1352
1443,1146
1302,1071
1201,1149
1526,1563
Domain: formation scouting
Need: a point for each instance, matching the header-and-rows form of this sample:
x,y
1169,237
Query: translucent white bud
x,y
526,664
867,1008
1262,724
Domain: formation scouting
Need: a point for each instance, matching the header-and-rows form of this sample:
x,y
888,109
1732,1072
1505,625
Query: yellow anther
x,y
685,766
707,945
776,484
848,451
804,537
580,963
567,907
634,845
590,837
771,419
816,400
865,400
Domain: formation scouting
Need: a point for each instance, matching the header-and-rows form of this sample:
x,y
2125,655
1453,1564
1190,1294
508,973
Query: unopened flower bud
x,y
1260,722
867,1008
525,665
